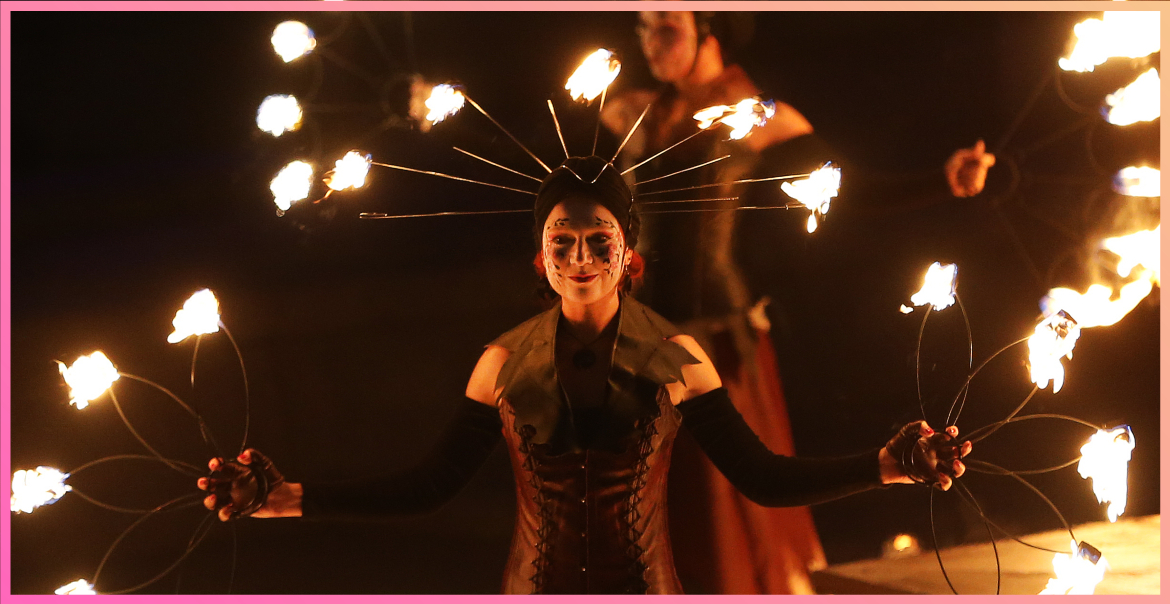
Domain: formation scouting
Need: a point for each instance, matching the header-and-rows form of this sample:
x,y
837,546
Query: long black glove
x,y
762,476
464,446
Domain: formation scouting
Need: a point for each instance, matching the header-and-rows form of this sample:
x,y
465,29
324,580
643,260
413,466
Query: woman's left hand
x,y
918,454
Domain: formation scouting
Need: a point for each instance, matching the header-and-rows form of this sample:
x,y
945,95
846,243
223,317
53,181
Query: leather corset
x,y
591,504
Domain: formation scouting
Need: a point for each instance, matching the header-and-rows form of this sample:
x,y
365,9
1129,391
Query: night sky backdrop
x,y
139,176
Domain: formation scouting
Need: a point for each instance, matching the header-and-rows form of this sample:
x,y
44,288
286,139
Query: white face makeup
x,y
584,251
669,42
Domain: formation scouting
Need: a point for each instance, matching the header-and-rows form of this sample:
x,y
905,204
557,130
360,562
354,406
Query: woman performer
x,y
589,396
697,282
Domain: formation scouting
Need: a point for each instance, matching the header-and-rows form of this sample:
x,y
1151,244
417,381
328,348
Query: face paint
x,y
584,251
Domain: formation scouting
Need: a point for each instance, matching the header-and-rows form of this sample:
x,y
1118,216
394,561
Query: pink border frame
x,y
302,5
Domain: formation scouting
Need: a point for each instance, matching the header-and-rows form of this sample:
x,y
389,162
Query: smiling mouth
x,y
582,278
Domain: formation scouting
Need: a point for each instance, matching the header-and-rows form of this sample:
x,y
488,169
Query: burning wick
x,y
1141,101
444,102
349,173
1055,337
816,191
80,587
1078,573
1130,34
746,114
33,488
293,39
1105,460
1138,181
279,113
595,74
199,316
938,287
88,378
291,184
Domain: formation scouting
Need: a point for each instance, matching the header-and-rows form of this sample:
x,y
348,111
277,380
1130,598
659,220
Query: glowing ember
x,y
349,173
816,191
33,488
595,74
938,286
746,114
88,378
1129,34
811,225
1141,248
199,315
1055,337
1138,182
1077,574
1105,459
292,39
445,101
905,309
279,113
1139,102
80,587
1095,307
291,184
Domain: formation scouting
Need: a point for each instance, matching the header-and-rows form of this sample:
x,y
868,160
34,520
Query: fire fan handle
x,y
244,486
925,456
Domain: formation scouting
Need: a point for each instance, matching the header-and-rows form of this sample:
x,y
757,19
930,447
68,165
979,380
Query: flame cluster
x,y
1105,460
292,40
938,287
199,316
1138,181
80,587
594,75
88,378
745,115
33,488
1054,338
1077,573
1141,101
1130,34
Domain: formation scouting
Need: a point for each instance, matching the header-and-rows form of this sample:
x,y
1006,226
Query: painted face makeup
x,y
584,251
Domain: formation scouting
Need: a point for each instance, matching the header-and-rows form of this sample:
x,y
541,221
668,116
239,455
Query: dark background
x,y
139,176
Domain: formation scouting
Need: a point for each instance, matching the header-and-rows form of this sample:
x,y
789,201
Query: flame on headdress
x,y
745,115
349,172
279,113
595,74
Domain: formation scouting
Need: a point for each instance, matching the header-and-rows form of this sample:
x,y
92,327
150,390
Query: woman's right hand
x,y
249,485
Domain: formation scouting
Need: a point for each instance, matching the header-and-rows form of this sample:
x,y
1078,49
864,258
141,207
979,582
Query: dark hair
x,y
592,178
733,30
595,179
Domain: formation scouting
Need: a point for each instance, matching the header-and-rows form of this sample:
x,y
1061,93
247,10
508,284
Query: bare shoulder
x,y
700,378
482,385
